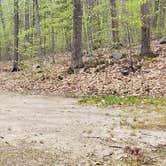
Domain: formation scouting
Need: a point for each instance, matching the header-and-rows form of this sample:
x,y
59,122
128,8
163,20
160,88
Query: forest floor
x,y
42,130
102,75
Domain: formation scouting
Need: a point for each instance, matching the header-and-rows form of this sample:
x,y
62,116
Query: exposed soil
x,y
41,130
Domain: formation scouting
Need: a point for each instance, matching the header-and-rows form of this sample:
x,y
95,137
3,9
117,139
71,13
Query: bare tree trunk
x,y
4,31
162,15
93,28
16,39
26,21
76,58
123,6
52,33
89,50
155,17
145,42
115,24
38,31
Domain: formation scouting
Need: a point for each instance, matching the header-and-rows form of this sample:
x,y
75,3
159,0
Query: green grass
x,y
124,101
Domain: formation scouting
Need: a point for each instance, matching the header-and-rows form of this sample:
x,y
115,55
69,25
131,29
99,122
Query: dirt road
x,y
39,130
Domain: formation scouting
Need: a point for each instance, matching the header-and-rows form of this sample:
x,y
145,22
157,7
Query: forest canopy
x,y
56,28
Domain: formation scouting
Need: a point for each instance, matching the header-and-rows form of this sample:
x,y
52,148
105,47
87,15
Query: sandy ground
x,y
40,130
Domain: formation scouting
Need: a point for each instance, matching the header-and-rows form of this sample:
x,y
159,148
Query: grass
x,y
34,157
147,122
139,101
14,156
134,105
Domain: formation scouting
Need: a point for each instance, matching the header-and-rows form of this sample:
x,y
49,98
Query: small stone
x,y
41,142
117,56
162,40
125,72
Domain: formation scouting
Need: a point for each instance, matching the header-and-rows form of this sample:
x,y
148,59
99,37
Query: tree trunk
x,y
145,29
76,58
52,33
123,6
38,31
16,39
26,21
88,44
4,31
162,15
115,24
155,17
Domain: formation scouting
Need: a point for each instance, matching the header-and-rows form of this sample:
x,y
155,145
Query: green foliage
x,y
124,101
57,15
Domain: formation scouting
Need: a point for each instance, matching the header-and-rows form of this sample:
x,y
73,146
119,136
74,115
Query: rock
x,y
162,40
36,66
138,47
60,77
100,68
125,72
117,55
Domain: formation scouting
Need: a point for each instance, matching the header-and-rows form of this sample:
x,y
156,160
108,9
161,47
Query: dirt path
x,y
40,130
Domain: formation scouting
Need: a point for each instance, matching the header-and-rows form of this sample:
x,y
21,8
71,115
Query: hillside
x,y
102,75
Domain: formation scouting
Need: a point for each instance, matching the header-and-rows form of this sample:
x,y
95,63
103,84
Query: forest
x,y
83,82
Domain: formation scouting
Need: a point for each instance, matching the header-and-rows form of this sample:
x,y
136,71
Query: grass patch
x,y
148,122
140,101
13,156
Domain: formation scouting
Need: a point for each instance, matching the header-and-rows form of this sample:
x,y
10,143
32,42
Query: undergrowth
x,y
139,101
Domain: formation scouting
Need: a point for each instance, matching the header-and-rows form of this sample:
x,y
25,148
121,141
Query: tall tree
x,y
156,10
38,30
26,21
16,39
145,29
76,58
4,29
162,15
52,32
115,24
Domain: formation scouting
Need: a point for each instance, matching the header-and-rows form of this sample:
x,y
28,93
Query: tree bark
x,y
115,24
76,58
145,29
162,15
155,17
16,39
38,31
26,21
4,31
52,33
88,44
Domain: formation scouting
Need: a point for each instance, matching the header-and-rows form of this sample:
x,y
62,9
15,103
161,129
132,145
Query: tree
x,y
26,21
155,17
52,32
3,27
16,39
115,24
38,30
76,58
162,15
145,29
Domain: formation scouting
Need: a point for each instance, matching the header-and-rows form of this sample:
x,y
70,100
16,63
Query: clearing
x,y
49,131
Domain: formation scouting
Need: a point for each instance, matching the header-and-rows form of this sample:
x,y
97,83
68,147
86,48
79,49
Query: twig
x,y
102,142
152,159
